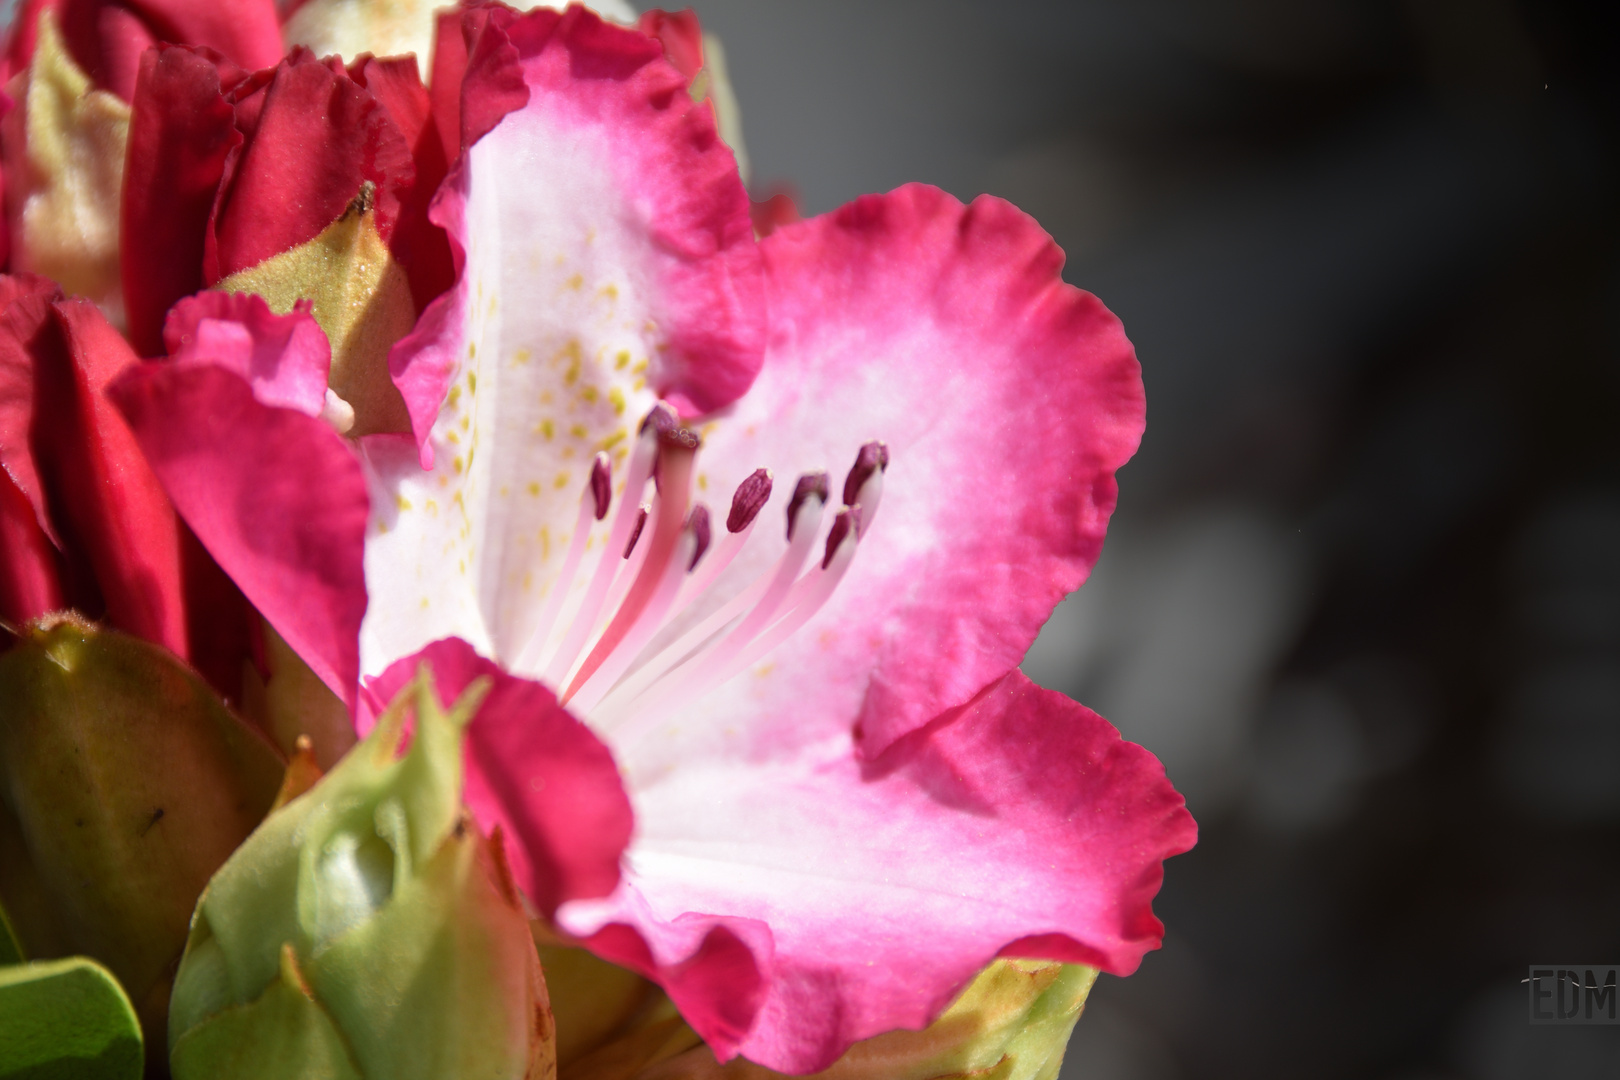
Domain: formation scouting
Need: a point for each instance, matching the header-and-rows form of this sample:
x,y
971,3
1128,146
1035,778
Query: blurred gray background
x,y
1362,594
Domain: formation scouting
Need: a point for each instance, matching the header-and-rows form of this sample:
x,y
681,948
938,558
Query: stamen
x,y
766,596
630,568
677,447
820,585
751,496
809,485
698,522
602,484
607,567
746,504
635,531
863,486
592,685
591,504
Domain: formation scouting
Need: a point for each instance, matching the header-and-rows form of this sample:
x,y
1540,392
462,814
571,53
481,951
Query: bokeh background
x,y
1362,593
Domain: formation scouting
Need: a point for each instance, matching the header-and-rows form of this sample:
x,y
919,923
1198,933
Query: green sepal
x,y
66,1020
283,1033
125,783
367,913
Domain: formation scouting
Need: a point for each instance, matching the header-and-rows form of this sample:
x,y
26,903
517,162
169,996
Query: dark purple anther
x,y
635,533
809,484
848,518
873,457
751,495
661,417
698,522
602,484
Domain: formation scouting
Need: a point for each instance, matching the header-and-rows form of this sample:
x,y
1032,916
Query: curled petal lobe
x,y
1006,399
1020,823
285,358
533,770
594,210
276,497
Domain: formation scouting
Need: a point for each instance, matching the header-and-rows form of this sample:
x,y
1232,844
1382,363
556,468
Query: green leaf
x,y
66,1020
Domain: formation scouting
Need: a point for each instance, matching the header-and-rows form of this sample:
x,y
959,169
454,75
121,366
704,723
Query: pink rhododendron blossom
x,y
775,519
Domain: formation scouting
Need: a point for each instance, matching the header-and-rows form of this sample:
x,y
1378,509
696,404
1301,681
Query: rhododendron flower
x,y
846,798
746,528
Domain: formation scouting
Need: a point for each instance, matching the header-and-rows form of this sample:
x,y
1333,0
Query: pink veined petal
x,y
1007,399
1019,824
622,228
532,769
606,257
285,358
276,497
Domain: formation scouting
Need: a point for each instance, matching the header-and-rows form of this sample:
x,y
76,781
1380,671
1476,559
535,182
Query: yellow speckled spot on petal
x,y
455,395
640,366
590,395
578,431
431,507
472,382
522,356
547,428
458,465
472,349
561,481
616,396
424,603
466,422
608,292
612,440
534,487
622,360
703,481
404,503
455,439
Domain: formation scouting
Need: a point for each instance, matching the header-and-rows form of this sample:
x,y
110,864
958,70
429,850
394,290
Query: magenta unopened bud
x,y
810,485
751,496
698,522
602,484
873,457
848,518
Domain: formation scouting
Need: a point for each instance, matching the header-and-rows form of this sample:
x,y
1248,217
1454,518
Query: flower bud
x,y
1011,1023
124,784
366,929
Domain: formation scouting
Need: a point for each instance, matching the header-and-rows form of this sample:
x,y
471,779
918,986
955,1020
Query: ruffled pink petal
x,y
285,358
275,496
1020,824
532,769
593,209
1007,399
